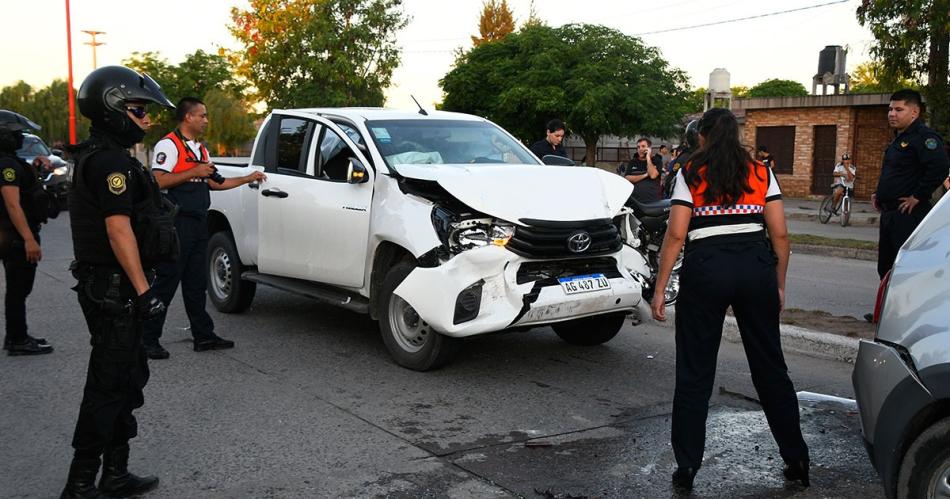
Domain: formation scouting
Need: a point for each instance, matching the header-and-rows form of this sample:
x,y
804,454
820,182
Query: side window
x,y
293,140
263,144
334,157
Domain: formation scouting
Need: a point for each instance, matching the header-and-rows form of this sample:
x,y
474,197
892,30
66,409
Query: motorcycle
x,y
642,227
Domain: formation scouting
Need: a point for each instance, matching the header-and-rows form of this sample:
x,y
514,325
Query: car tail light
x,y
879,302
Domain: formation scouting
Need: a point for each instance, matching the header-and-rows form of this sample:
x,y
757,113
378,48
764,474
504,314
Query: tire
x,y
925,468
226,290
845,211
826,209
590,331
410,340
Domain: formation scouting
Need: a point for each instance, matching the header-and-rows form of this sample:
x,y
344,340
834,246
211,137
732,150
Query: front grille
x,y
547,273
541,239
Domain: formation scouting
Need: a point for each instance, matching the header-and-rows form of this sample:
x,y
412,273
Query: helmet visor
x,y
14,122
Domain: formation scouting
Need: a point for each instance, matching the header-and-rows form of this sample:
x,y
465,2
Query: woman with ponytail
x,y
727,210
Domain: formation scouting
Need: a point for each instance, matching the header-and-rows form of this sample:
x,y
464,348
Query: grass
x,y
831,241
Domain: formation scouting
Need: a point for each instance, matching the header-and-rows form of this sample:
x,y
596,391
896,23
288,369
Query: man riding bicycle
x,y
844,179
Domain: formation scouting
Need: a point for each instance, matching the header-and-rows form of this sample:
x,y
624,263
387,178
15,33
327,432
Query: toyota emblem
x,y
578,242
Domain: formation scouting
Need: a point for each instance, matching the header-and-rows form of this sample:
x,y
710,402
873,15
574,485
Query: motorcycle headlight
x,y
62,170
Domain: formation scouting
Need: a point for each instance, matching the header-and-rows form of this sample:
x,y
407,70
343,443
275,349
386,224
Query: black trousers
x,y
893,232
714,277
20,275
191,272
118,368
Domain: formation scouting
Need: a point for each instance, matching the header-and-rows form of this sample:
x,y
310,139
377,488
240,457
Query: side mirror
x,y
554,160
356,172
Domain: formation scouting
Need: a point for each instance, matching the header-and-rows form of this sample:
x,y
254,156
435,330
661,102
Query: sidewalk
x,y
862,214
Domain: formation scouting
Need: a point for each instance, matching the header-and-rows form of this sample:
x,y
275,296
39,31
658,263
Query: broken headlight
x,y
458,233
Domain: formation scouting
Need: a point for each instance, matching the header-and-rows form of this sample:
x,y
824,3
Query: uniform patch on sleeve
x,y
9,174
160,158
116,183
931,143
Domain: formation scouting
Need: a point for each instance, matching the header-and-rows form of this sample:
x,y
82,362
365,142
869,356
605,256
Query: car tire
x,y
409,340
590,331
226,290
925,468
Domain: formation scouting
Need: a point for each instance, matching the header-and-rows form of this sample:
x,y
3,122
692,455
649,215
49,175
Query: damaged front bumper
x,y
510,290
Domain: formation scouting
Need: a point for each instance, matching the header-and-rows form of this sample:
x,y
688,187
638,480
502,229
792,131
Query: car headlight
x,y
476,233
62,170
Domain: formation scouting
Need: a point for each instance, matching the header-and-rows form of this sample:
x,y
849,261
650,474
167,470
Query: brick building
x,y
808,135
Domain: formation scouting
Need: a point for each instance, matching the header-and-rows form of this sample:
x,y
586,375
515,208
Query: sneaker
x,y
29,347
156,351
212,342
7,342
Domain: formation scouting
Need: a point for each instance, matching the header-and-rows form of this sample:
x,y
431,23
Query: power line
x,y
727,21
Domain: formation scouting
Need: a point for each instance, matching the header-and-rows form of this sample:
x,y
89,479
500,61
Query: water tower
x,y
719,88
831,70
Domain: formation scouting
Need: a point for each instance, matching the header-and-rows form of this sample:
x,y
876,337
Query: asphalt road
x,y
309,405
839,286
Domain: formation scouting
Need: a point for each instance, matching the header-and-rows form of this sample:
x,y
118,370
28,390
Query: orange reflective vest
x,y
186,156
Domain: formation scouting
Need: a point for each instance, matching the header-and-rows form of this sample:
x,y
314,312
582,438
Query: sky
x,y
784,45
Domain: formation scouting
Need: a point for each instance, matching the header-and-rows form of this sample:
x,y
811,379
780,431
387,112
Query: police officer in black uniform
x,y
689,146
119,232
22,210
915,164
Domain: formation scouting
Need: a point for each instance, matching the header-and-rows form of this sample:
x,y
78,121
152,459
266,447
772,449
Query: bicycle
x,y
826,210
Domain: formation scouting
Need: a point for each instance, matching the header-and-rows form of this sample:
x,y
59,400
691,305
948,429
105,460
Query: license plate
x,y
584,283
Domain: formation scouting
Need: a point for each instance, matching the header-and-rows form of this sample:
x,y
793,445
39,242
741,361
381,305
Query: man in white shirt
x,y
844,178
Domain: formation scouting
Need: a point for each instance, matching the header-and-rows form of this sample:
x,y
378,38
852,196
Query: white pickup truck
x,y
440,226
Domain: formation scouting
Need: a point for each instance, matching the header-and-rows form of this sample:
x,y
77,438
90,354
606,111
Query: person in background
x,y
762,154
844,174
729,209
643,171
551,143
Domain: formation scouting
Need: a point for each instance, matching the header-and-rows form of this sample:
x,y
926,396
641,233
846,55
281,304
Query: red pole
x,y
72,97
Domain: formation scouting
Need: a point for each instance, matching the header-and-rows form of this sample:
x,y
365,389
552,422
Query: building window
x,y
780,141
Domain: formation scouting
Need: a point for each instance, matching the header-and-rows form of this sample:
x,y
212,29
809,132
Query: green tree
x,y
533,18
202,75
870,78
305,53
778,88
912,40
598,80
48,107
495,23
740,91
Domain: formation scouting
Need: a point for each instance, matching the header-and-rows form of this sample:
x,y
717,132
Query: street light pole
x,y
94,44
72,97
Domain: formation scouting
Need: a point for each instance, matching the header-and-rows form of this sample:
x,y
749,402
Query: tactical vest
x,y
37,204
192,197
152,219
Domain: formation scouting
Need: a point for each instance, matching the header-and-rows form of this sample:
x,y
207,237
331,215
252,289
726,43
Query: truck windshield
x,y
32,147
436,142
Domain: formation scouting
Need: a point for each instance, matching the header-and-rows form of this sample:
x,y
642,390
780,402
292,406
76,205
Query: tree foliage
x,y
598,80
697,97
912,41
306,53
870,78
48,107
778,88
208,77
495,23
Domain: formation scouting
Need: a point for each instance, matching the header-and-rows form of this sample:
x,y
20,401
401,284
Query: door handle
x,y
277,193
254,185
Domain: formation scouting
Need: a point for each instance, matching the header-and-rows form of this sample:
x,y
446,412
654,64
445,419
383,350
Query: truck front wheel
x,y
590,331
411,342
227,291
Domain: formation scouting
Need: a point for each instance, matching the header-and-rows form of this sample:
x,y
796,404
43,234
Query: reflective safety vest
x,y
186,156
192,197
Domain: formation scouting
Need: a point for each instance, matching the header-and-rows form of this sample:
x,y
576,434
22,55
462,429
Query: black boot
x,y
116,479
683,479
81,483
797,470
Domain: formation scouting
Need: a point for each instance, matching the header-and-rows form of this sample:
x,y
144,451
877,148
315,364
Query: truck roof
x,y
379,113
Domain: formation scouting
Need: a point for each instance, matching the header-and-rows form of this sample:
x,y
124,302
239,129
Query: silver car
x,y
902,378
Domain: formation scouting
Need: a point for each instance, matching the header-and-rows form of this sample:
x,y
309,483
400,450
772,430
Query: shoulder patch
x,y
9,174
160,158
930,143
116,183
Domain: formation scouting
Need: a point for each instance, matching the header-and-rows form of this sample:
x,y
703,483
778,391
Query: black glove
x,y
148,306
216,177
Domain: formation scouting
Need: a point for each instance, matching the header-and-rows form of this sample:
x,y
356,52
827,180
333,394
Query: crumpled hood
x,y
540,192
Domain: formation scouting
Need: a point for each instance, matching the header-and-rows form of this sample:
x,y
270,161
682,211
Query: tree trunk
x,y
938,86
590,143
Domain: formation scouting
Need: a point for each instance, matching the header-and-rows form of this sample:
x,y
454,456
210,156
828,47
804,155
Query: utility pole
x,y
72,97
94,44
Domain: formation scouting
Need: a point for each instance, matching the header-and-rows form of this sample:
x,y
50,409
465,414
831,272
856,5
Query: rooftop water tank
x,y
719,81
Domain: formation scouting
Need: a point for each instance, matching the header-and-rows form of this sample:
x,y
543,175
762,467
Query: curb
x,y
803,341
835,251
856,219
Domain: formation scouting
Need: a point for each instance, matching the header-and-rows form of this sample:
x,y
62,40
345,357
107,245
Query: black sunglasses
x,y
137,111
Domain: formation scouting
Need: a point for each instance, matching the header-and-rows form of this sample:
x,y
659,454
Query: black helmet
x,y
691,135
105,92
16,122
